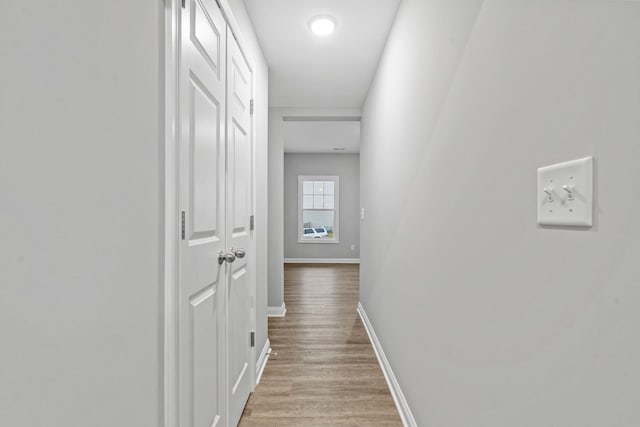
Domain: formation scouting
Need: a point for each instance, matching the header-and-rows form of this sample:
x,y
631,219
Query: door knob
x,y
228,257
239,253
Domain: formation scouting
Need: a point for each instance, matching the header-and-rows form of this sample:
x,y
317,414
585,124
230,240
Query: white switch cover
x,y
565,193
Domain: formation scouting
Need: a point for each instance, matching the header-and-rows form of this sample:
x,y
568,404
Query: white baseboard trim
x,y
322,261
262,360
277,311
392,382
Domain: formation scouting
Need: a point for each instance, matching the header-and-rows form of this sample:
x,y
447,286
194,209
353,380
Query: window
x,y
318,209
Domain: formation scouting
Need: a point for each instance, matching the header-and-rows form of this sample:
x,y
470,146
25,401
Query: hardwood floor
x,y
322,370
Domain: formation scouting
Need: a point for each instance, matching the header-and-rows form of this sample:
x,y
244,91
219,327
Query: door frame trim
x,y
168,349
169,385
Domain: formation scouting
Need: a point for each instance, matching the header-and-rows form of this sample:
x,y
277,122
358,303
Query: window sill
x,y
322,241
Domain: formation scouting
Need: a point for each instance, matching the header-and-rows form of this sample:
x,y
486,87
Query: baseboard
x,y
277,311
322,261
262,360
392,382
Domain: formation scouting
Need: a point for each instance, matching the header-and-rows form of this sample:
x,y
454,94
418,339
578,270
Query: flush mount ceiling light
x,y
322,25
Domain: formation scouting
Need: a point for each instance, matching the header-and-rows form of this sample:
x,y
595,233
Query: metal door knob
x,y
228,257
239,253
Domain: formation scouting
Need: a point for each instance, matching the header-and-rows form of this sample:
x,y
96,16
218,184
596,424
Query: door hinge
x,y
252,223
253,339
251,108
218,3
183,3
183,226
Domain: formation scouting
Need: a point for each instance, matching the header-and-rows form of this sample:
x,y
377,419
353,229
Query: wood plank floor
x,y
322,371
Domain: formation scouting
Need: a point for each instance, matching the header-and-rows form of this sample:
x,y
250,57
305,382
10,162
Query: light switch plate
x,y
565,193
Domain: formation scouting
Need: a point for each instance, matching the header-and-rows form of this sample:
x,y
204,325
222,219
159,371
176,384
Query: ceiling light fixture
x,y
322,25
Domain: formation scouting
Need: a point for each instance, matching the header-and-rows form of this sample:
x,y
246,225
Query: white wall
x,y
487,319
261,117
347,167
81,113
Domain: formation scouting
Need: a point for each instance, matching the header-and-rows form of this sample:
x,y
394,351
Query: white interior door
x,y
202,286
239,199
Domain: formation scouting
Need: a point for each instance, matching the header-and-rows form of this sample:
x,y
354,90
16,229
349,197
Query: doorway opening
x,y
321,189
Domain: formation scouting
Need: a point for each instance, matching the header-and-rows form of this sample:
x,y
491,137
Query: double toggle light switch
x,y
566,193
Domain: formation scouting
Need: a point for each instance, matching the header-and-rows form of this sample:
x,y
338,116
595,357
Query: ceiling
x,y
321,136
318,72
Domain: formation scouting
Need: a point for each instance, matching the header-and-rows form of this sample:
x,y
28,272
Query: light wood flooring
x,y
322,371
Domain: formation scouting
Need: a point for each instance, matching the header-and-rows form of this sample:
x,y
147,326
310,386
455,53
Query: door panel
x,y
203,282
239,185
205,330
238,327
207,37
204,158
240,84
239,160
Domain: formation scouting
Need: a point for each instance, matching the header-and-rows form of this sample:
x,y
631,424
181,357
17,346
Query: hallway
x,y
322,370
442,197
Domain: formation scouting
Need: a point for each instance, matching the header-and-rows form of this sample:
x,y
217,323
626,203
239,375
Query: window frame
x,y
336,208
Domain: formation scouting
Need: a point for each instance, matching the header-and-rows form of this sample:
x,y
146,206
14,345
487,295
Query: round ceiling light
x,y
322,25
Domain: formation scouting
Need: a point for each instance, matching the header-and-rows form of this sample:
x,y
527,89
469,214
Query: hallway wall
x,y
487,319
81,120
82,175
347,167
275,295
